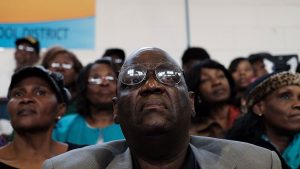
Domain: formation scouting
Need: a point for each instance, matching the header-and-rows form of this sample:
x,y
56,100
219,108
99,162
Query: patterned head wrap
x,y
270,83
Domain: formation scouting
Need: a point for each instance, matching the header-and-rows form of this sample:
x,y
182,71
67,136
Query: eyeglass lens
x,y
25,48
99,80
61,65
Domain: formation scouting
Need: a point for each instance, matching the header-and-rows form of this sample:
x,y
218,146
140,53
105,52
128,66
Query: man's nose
x,y
151,86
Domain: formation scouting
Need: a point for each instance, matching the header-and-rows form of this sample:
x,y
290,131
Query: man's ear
x,y
259,108
115,109
191,98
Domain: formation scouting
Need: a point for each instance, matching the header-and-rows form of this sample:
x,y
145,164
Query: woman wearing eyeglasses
x,y
58,59
94,122
27,52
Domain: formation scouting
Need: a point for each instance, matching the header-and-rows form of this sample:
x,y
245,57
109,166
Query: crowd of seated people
x,y
154,107
243,102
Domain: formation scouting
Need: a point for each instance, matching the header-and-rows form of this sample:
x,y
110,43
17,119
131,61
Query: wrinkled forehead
x,y
150,57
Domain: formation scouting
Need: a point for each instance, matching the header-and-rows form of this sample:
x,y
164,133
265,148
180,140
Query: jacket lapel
x,y
208,160
122,161
205,159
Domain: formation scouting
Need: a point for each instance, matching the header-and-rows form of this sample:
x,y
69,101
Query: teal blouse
x,y
74,129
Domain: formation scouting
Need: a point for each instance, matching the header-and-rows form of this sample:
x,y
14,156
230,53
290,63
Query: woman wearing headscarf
x,y
273,117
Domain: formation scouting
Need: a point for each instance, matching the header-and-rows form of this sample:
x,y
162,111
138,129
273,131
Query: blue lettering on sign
x,y
73,33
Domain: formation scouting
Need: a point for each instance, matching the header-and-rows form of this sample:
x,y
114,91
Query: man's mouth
x,y
153,104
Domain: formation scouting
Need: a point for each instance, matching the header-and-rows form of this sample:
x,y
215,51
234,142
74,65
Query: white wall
x,y
238,27
137,23
227,29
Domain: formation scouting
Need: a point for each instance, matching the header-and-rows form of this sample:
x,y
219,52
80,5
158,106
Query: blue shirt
x,y
74,129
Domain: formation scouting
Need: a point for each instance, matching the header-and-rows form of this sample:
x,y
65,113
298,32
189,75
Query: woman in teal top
x,y
94,121
74,129
272,119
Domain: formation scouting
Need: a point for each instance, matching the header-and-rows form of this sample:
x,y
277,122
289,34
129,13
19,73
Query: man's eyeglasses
x,y
99,80
61,65
165,73
25,48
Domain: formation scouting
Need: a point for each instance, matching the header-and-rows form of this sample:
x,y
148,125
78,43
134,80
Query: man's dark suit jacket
x,y
211,153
